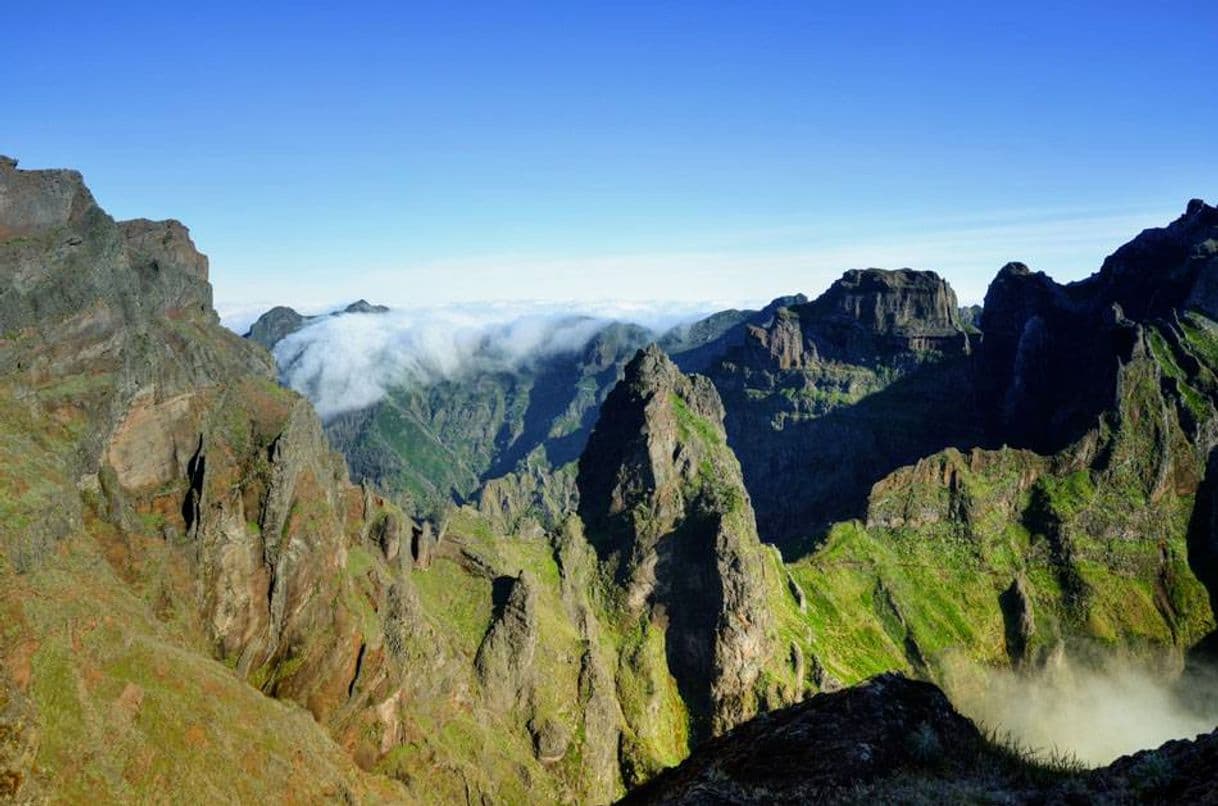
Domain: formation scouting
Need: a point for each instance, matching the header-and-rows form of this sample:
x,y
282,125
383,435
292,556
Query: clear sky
x,y
434,153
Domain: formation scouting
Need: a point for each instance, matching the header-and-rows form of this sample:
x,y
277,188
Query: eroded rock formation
x,y
664,503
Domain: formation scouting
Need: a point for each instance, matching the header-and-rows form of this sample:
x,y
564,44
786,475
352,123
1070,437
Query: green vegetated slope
x,y
974,556
198,604
109,700
192,588
999,556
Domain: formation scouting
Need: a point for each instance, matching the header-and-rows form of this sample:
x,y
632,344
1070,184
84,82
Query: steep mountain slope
x,y
826,397
146,453
1004,556
175,530
664,504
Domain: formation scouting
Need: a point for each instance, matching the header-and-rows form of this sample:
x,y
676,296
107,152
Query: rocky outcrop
x,y
160,448
936,491
664,505
826,748
867,315
1039,392
1163,270
1019,618
505,657
38,202
169,266
531,500
275,325
1203,531
697,345
895,740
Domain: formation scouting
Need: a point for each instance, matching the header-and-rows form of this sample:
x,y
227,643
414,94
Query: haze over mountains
x,y
557,556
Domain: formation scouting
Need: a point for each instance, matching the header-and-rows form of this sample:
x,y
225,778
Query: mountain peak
x,y
1164,269
281,321
892,301
1015,268
364,306
867,315
664,502
652,371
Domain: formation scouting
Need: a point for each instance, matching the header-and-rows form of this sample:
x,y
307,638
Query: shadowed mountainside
x,y
896,740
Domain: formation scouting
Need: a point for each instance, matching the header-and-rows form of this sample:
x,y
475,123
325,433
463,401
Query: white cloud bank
x,y
344,363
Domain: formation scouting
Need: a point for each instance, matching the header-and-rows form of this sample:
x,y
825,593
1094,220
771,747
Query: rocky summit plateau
x,y
774,555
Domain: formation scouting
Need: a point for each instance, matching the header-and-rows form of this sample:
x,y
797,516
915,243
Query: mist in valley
x,y
1087,707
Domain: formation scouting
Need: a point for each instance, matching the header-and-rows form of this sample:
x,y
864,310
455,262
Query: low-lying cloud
x,y
1092,710
348,362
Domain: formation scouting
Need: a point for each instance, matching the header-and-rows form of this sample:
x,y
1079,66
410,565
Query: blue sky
x,y
422,153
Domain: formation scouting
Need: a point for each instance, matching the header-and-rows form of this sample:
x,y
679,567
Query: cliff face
x,y
183,432
665,507
822,396
178,542
1050,362
1098,527
176,536
151,458
865,316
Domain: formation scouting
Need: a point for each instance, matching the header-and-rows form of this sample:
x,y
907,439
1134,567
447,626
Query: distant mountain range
x,y
551,580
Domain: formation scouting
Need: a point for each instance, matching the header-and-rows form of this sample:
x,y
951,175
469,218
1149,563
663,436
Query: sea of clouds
x,y
350,361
